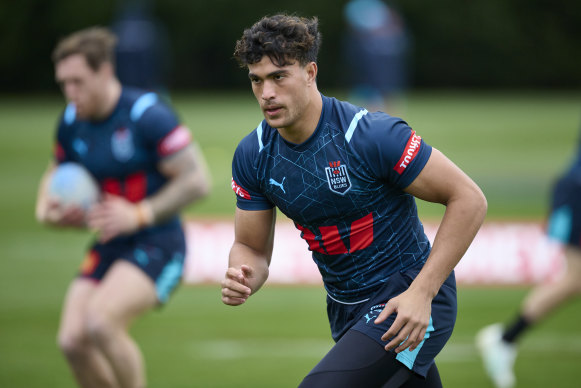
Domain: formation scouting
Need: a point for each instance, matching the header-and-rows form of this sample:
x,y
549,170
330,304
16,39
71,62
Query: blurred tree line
x,y
455,44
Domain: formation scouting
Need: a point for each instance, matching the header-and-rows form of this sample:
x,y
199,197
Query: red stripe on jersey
x,y
332,240
361,233
309,237
112,186
239,190
59,152
409,153
136,187
178,138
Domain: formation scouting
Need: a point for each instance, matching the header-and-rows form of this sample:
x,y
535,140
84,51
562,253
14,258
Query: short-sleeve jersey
x,y
343,188
123,151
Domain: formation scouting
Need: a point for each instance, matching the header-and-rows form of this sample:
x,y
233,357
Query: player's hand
x,y
64,215
236,285
112,217
412,311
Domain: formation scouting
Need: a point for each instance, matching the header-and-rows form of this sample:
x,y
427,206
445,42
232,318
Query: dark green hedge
x,y
470,43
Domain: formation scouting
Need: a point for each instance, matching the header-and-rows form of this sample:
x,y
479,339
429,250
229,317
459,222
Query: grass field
x,y
512,144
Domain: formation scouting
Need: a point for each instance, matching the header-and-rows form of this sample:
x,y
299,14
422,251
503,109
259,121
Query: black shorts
x,y
565,219
361,316
159,253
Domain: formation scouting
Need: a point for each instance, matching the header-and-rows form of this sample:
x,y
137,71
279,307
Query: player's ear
x,y
107,69
311,70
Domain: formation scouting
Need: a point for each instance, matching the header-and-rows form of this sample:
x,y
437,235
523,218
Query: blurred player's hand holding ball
x,y
115,216
72,191
75,200
72,184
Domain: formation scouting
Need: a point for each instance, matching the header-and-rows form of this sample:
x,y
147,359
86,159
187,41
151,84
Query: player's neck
x,y
111,96
306,125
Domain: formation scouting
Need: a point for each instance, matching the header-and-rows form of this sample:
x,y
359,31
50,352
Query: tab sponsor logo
x,y
239,190
411,150
174,141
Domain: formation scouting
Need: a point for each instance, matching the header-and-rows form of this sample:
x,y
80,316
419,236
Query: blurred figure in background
x,y
149,169
376,50
498,343
142,50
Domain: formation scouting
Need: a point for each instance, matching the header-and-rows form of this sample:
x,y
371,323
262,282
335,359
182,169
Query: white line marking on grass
x,y
260,348
550,345
453,352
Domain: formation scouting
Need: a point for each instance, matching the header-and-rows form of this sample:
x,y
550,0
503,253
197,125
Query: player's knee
x,y
73,344
101,327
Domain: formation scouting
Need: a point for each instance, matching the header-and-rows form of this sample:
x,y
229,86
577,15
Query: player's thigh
x,y
432,379
73,316
357,361
573,258
125,293
145,270
573,265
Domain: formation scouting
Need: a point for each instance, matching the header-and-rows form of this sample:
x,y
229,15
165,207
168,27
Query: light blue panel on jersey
x,y
353,124
259,135
142,104
408,357
70,114
80,147
141,257
560,224
169,277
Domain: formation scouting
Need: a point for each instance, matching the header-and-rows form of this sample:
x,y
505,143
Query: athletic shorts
x,y
565,219
360,317
160,253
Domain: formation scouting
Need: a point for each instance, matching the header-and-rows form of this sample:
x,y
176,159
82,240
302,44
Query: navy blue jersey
x,y
565,219
123,151
573,172
343,188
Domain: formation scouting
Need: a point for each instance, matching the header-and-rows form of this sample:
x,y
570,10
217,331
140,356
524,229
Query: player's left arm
x,y
440,181
188,181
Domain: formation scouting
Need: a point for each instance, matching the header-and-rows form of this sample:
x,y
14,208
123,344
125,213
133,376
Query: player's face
x,y
81,85
282,92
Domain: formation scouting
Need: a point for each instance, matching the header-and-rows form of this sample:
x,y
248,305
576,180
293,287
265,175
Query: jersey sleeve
x,y
393,151
162,131
245,183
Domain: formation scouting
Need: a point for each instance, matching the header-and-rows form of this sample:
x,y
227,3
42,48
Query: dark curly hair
x,y
283,38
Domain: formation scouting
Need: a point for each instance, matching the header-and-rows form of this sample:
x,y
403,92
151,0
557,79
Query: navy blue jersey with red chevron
x,y
123,151
343,188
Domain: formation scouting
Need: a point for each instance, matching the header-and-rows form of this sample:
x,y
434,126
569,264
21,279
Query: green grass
x,y
512,144
273,341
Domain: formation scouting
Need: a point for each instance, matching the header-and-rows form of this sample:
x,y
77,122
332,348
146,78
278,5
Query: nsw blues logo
x,y
122,144
338,178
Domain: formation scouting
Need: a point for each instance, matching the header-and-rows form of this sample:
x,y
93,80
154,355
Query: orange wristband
x,y
144,216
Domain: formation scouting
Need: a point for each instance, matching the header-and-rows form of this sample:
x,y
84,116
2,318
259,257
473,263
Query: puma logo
x,y
273,182
369,318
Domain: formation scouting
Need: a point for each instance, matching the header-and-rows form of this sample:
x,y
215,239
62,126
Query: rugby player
x,y
348,178
149,168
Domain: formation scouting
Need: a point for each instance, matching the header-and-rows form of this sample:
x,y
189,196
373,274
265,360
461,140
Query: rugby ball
x,y
72,184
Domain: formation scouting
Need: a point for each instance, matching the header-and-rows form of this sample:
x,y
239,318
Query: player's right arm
x,y
50,212
249,256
